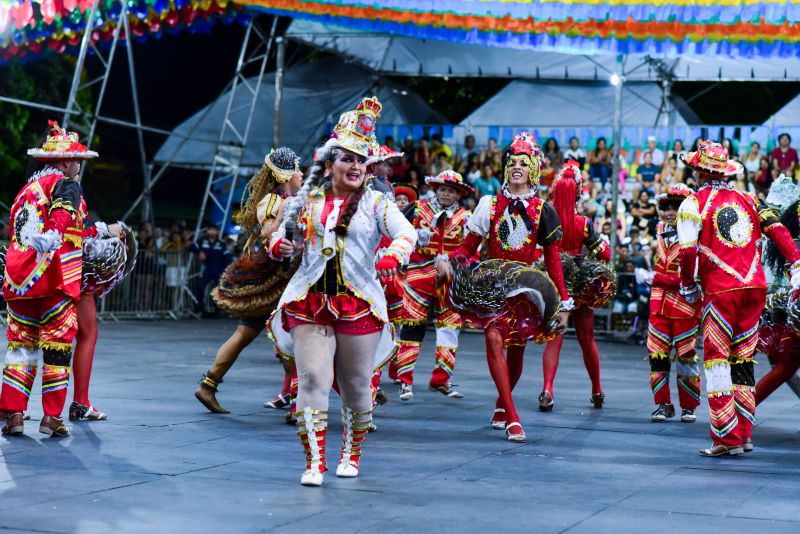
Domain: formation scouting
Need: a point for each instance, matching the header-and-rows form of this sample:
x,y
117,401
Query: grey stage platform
x,y
161,463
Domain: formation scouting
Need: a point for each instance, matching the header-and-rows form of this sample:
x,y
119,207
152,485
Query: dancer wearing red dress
x,y
719,230
514,221
43,280
441,225
578,234
673,320
780,339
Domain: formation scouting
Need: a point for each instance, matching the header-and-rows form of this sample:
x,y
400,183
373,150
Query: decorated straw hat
x,y
711,158
783,193
677,193
384,154
408,190
355,130
61,144
283,163
451,179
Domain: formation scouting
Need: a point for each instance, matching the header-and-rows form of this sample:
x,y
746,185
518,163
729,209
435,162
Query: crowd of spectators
x,y
645,172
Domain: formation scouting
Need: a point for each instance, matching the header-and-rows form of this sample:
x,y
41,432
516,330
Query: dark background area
x,y
178,75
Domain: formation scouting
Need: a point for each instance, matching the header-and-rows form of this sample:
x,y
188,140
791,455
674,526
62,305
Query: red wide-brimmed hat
x,y
676,193
61,144
711,158
451,179
408,190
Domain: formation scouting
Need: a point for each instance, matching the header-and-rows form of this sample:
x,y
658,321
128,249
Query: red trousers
x,y
38,328
664,334
730,335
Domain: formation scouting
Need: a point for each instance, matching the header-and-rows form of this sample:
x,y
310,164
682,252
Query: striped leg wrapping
x,y
55,380
19,377
717,333
744,398
657,341
312,428
723,415
659,383
407,356
356,425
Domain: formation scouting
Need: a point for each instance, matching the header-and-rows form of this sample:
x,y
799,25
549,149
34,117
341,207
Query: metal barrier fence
x,y
163,285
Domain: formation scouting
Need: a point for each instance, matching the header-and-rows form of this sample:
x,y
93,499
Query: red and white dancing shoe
x,y
515,433
312,428
78,411
356,426
280,401
498,420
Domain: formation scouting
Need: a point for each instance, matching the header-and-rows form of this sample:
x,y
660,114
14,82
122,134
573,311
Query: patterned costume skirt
x,y
518,300
348,314
252,285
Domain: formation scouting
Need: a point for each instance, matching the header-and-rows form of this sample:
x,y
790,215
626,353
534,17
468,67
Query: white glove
x,y
566,305
794,273
46,243
423,237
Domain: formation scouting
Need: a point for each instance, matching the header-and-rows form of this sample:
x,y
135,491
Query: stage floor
x,y
162,463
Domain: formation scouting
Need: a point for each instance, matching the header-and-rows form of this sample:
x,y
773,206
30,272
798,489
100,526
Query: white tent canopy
x,y
391,54
314,94
788,115
559,110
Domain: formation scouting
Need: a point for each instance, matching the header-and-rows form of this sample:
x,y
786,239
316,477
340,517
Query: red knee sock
x,y
84,349
55,380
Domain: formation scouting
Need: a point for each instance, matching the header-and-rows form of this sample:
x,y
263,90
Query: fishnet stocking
x,y
84,349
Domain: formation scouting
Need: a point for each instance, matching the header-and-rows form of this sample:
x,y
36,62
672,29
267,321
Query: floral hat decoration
x,y
61,144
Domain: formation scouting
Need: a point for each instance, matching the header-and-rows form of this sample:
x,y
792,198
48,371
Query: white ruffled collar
x,y
527,196
47,171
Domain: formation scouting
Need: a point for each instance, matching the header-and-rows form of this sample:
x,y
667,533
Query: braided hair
x,y
262,184
772,255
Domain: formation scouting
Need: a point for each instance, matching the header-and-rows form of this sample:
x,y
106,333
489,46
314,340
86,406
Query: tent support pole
x,y
615,154
230,149
279,67
76,77
615,168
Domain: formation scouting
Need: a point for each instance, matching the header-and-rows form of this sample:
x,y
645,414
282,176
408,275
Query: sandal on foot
x,y
517,437
278,402
498,420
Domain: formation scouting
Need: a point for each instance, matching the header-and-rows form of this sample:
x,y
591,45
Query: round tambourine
x,y
284,342
107,261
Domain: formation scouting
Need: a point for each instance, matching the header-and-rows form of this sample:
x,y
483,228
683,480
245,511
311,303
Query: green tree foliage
x,y
45,80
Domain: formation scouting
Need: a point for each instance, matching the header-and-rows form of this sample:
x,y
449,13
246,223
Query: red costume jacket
x,y
446,229
665,298
49,201
723,226
514,227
